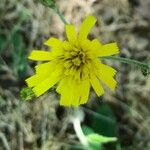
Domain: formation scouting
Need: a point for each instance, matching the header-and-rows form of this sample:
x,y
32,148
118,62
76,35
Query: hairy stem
x,y
79,132
141,65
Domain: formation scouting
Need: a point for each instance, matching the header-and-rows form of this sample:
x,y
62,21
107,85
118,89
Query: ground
x,y
42,123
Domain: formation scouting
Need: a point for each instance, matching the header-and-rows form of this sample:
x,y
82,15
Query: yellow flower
x,y
74,65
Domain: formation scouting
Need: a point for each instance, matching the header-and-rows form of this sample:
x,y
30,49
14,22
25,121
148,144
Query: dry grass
x,y
41,124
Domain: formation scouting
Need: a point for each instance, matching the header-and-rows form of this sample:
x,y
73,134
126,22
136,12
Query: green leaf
x,y
105,124
100,139
95,146
95,140
17,40
87,130
24,15
20,63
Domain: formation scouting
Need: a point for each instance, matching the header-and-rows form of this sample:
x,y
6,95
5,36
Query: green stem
x,y
51,4
57,11
127,61
143,66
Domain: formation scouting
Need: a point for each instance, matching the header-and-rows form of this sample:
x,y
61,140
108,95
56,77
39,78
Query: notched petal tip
x,y
108,50
40,55
31,81
86,26
115,47
28,83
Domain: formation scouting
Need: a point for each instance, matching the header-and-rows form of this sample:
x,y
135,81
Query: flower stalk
x,y
145,68
76,119
77,127
57,11
51,4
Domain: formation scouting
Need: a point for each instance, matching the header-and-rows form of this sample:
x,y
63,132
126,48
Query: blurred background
x,y
41,124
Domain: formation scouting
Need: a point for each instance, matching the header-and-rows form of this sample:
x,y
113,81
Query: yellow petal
x,y
67,46
40,55
74,93
65,100
96,85
95,43
108,49
45,67
95,46
85,44
47,83
85,89
42,72
34,80
108,80
61,85
105,69
86,26
69,90
71,33
53,42
64,89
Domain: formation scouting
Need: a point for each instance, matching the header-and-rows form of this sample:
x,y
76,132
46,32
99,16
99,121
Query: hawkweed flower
x,y
73,65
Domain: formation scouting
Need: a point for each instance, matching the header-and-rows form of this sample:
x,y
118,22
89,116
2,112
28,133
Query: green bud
x,y
48,3
27,94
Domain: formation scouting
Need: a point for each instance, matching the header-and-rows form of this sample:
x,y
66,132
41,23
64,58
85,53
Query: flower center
x,y
78,58
75,58
74,61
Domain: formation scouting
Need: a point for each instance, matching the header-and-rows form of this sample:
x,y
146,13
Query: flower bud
x,y
27,94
